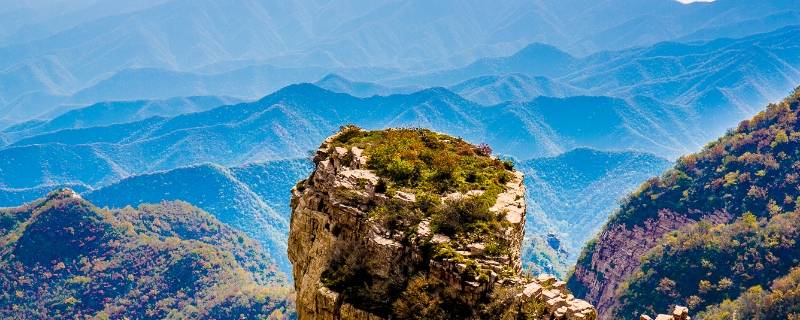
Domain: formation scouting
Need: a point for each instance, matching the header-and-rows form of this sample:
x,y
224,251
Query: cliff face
x,y
615,256
366,245
698,234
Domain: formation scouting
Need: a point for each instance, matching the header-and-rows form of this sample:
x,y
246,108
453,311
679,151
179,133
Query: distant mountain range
x,y
672,98
704,87
115,112
98,146
288,123
489,90
93,52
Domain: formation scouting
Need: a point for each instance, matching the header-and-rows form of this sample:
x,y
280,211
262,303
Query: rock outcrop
x,y
678,313
616,254
363,247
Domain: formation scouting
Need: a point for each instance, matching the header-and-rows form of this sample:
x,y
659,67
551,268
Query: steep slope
x,y
748,173
778,301
410,224
489,90
169,259
571,195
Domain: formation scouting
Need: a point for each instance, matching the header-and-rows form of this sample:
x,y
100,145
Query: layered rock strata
x,y
334,228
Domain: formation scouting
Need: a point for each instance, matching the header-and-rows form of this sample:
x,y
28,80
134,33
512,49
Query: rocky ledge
x,y
415,224
678,313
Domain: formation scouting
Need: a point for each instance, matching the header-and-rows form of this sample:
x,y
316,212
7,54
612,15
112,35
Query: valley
x,y
169,150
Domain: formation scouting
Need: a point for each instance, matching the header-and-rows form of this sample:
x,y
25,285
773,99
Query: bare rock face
x,y
615,256
678,313
349,263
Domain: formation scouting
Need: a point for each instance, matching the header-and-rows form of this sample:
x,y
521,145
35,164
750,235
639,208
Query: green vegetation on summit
x,y
431,166
413,224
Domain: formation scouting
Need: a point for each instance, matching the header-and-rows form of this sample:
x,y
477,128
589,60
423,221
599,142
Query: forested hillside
x,y
718,224
63,256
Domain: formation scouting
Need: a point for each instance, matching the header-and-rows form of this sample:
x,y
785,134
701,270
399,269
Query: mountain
x,y
490,90
571,195
116,112
549,126
149,262
336,83
536,59
272,181
715,81
11,197
710,229
34,166
414,224
285,124
720,80
212,188
52,53
262,216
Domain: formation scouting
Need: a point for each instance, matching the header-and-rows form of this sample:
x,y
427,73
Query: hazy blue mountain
x,y
489,90
83,55
292,121
716,82
720,80
535,59
572,194
259,205
550,126
35,166
758,24
245,83
116,112
362,89
248,82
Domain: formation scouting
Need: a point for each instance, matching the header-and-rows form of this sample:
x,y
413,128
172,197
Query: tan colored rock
x,y
681,313
330,216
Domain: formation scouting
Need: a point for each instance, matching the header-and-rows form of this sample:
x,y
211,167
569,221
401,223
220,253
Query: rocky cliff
x,y
703,232
409,224
616,254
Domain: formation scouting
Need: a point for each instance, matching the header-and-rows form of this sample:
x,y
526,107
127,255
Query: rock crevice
x,y
350,264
